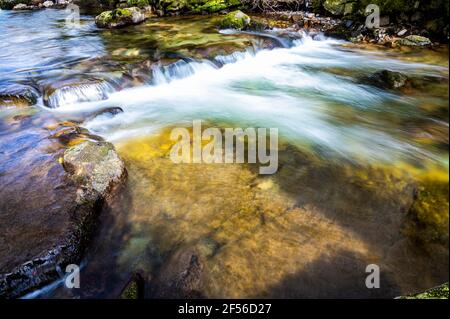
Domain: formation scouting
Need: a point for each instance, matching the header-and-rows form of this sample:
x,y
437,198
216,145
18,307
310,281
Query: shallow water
x,y
351,156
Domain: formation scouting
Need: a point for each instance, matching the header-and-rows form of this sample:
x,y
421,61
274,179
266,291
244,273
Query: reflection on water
x,y
363,174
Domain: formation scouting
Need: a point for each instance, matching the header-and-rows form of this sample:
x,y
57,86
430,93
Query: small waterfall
x,y
179,70
84,92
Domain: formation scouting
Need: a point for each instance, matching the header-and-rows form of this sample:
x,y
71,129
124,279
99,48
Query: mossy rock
x,y
339,7
138,3
440,292
415,40
119,17
134,289
235,20
171,7
212,6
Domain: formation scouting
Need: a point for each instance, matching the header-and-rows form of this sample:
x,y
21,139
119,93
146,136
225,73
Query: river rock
x,y
387,79
134,289
111,111
120,17
211,6
47,214
17,95
415,40
22,6
440,292
97,165
175,7
338,7
69,133
10,4
181,277
48,4
134,3
235,20
402,32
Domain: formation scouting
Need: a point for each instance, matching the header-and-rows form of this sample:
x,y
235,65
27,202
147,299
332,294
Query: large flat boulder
x,y
50,197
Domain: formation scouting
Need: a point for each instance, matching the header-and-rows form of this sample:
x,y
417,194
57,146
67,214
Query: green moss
x,y
197,6
440,292
415,40
430,208
339,7
172,6
212,6
235,20
130,292
138,3
119,17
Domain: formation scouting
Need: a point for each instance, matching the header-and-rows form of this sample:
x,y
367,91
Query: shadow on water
x,y
328,277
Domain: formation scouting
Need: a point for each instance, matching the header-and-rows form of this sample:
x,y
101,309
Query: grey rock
x,y
402,32
96,166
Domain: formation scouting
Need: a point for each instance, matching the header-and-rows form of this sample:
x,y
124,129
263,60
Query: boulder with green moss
x,y
415,40
440,292
212,6
138,3
339,7
235,20
120,17
172,7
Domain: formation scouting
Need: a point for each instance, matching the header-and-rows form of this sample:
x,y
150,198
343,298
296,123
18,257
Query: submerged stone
x,y
387,79
429,211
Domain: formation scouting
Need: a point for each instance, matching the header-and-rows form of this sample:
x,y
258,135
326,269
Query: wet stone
x,y
52,227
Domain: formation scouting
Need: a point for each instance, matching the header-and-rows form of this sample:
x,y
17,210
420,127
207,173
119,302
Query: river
x,y
351,154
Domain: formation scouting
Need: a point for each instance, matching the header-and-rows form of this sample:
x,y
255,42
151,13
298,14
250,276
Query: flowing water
x,y
351,155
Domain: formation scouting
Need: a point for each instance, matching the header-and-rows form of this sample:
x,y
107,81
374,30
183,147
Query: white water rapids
x,y
286,88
